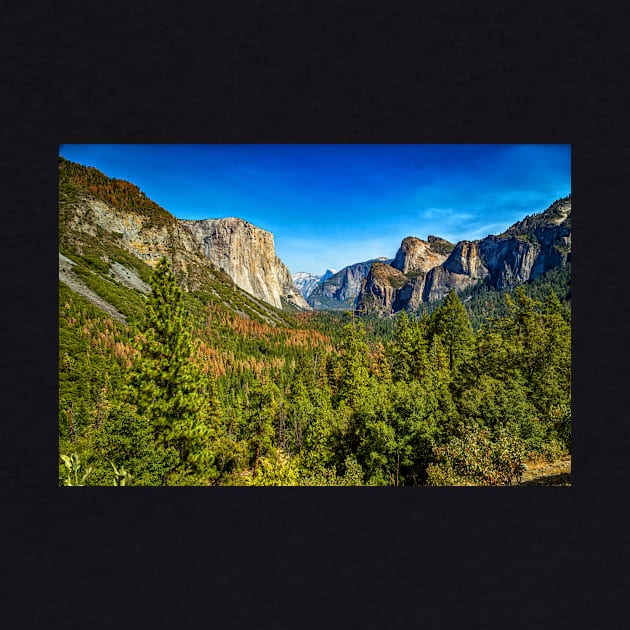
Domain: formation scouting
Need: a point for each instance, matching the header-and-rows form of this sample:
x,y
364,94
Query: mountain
x,y
247,254
416,255
213,386
306,282
342,288
525,251
111,235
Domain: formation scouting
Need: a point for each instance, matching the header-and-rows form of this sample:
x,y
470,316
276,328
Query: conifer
x,y
166,386
450,322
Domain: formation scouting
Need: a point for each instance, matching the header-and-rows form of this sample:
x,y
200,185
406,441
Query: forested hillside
x,y
178,377
243,402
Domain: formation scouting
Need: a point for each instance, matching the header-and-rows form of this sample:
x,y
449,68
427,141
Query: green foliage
x,y
353,415
165,386
262,412
73,466
482,302
124,439
275,469
477,457
352,476
352,364
129,302
121,477
408,350
213,387
450,323
521,373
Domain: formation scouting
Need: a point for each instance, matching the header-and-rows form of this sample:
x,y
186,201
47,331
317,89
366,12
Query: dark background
x,y
289,72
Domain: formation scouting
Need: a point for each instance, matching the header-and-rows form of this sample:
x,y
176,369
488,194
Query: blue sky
x,y
329,206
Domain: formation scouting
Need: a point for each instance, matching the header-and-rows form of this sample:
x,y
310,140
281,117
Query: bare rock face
x,y
246,253
243,251
416,255
378,293
510,261
342,288
139,235
461,269
144,240
525,251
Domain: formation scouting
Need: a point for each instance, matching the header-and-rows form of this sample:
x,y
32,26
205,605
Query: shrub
x,y
476,457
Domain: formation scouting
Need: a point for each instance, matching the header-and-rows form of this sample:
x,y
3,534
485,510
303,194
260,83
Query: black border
x,y
290,72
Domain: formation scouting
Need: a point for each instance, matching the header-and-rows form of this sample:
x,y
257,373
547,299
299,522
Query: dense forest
x,y
462,393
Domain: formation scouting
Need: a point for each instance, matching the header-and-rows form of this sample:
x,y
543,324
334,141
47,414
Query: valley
x,y
189,354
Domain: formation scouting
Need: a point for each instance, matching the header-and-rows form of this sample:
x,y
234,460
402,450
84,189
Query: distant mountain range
x,y
111,235
339,291
420,274
306,282
425,271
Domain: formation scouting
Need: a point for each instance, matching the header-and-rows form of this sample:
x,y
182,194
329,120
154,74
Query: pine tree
x,y
408,350
166,386
450,322
354,363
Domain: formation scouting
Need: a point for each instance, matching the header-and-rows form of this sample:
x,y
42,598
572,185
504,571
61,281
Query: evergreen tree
x,y
262,411
165,385
124,439
353,363
450,322
408,350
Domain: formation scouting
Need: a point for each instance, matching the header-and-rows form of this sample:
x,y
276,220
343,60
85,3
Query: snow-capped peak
x,y
306,281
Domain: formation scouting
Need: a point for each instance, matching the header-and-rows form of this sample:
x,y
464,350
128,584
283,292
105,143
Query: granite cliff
x,y
246,253
523,252
105,215
418,256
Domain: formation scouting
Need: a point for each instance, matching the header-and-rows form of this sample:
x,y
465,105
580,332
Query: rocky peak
x,y
464,259
418,256
559,211
558,214
306,282
440,245
524,251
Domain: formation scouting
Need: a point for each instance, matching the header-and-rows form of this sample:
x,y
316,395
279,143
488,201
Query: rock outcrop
x,y
340,291
462,268
119,212
138,234
417,256
524,252
247,254
379,290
